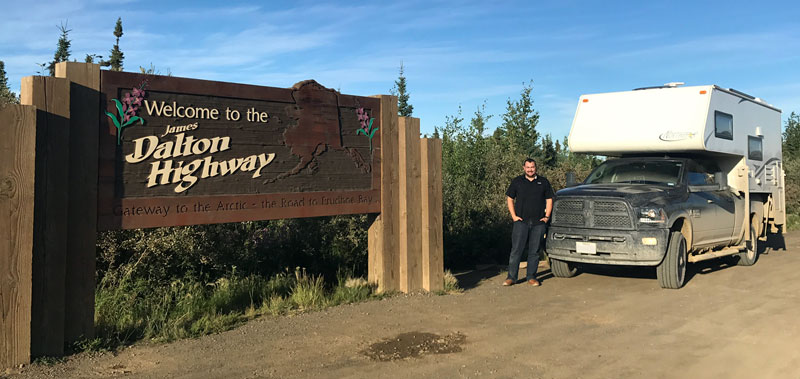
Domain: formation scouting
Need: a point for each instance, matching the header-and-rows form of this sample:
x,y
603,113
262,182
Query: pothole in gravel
x,y
413,345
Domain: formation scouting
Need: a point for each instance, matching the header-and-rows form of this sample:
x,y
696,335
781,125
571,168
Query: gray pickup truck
x,y
659,211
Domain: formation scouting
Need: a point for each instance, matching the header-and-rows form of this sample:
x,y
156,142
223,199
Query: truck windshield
x,y
630,171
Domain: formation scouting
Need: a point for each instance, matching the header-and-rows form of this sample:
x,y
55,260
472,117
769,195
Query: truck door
x,y
701,204
727,211
721,205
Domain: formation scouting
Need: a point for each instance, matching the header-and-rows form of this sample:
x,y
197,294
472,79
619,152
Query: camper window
x,y
723,125
754,151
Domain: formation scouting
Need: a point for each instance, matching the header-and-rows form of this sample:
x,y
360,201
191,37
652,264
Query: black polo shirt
x,y
529,196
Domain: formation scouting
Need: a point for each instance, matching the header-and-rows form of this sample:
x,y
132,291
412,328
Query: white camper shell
x,y
741,132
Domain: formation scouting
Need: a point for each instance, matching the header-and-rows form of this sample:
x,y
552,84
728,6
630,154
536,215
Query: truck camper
x,y
694,173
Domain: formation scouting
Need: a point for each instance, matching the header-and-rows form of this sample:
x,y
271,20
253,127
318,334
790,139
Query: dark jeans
x,y
522,233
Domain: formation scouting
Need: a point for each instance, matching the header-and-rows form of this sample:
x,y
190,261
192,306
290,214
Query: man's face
x,y
530,169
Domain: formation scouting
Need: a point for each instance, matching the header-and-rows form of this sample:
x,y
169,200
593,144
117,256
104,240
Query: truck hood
x,y
636,194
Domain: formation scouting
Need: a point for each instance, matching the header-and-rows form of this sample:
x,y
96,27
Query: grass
x,y
130,310
451,283
308,292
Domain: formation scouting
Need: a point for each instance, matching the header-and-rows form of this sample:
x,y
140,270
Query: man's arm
x,y
548,209
510,203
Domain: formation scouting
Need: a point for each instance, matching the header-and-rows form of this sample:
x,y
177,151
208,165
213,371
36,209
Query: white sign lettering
x,y
166,170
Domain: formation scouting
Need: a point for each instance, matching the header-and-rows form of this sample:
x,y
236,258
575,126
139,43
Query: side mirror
x,y
570,178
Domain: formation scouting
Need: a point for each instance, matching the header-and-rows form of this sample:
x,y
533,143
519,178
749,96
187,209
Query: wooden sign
x,y
176,151
144,151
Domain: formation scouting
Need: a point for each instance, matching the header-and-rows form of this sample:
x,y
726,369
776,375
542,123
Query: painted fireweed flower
x,y
128,109
366,125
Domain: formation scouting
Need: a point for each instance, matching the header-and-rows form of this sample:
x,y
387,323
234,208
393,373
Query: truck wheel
x,y
561,269
750,256
671,272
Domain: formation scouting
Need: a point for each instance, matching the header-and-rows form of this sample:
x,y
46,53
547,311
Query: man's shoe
x,y
534,282
508,282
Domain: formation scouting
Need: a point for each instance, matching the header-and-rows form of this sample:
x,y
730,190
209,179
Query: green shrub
x,y
206,253
791,166
792,221
127,310
477,169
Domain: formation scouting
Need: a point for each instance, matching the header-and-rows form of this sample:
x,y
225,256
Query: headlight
x,y
652,215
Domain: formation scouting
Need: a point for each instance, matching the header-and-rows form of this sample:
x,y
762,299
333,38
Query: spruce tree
x,y
91,57
116,58
518,130
6,96
791,137
403,107
549,151
62,50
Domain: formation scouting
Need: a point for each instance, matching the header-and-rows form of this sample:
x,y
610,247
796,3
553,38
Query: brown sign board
x,y
176,151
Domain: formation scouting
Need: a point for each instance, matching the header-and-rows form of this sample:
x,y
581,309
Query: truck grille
x,y
570,205
610,206
587,213
570,219
612,221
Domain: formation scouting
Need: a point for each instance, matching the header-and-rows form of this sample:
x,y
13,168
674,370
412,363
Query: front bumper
x,y
616,247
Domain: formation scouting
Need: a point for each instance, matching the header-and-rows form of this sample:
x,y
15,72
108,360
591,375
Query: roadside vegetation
x,y
168,283
791,167
478,165
134,309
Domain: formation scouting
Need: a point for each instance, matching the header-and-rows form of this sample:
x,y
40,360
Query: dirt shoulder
x,y
727,322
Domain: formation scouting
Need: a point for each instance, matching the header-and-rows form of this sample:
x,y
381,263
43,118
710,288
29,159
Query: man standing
x,y
530,202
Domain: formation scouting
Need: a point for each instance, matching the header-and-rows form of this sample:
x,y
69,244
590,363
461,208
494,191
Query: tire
x,y
562,269
750,256
671,272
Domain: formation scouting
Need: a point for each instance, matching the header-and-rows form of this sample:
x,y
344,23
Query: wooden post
x,y
383,258
410,212
17,170
431,204
405,240
82,217
51,98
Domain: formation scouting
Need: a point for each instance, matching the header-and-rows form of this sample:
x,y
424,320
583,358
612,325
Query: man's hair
x,y
529,160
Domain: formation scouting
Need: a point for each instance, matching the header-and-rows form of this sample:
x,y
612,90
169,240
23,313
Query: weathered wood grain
x,y
82,211
51,98
384,260
410,212
311,130
17,171
431,204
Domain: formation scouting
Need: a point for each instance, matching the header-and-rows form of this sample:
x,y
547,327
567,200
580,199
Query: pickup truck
x,y
694,173
641,211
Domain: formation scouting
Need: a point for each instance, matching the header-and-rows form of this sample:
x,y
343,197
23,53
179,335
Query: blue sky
x,y
456,53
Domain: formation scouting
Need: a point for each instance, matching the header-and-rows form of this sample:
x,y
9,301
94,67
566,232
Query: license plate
x,y
586,247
